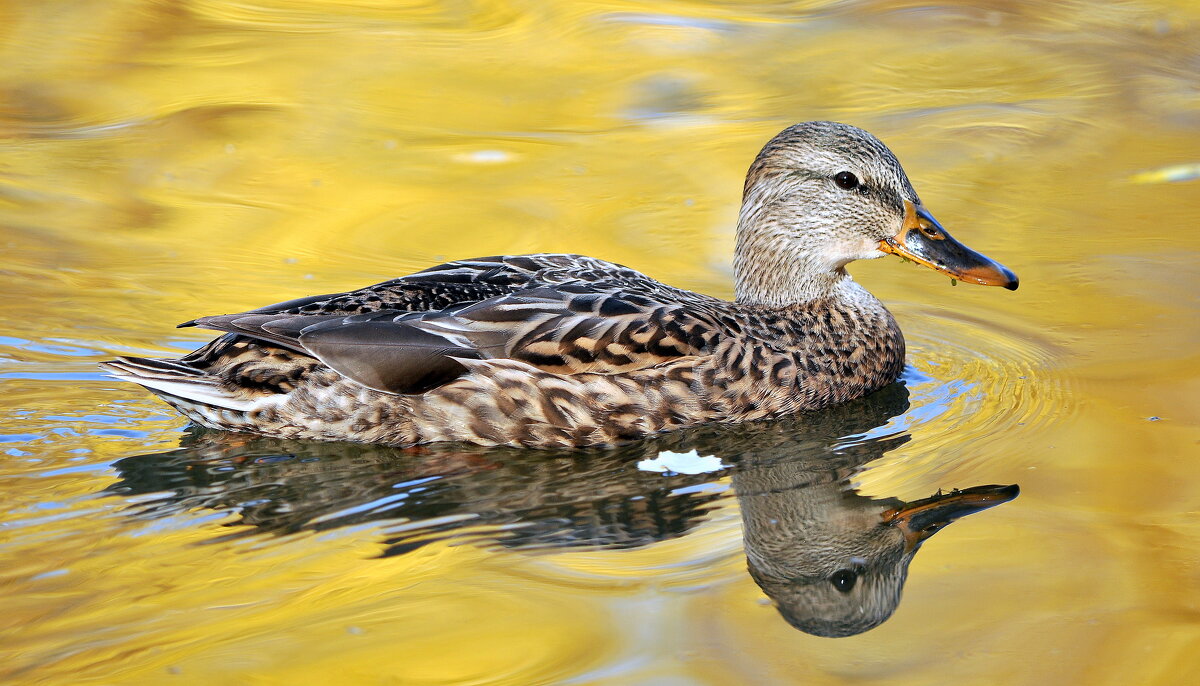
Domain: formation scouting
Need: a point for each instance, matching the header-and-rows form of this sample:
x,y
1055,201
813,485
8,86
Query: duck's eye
x,y
843,580
846,181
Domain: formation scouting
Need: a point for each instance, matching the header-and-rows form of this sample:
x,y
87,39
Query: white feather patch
x,y
207,394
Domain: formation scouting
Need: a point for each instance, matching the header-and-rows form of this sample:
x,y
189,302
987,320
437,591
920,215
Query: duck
x,y
570,351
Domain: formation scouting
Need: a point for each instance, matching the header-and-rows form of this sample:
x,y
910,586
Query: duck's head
x,y
822,194
839,570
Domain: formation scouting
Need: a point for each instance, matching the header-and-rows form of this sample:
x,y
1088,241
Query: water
x,y
162,161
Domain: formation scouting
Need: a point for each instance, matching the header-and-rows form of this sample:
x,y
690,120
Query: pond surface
x,y
160,161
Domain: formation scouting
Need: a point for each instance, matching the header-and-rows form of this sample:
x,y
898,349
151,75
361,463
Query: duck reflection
x,y
833,561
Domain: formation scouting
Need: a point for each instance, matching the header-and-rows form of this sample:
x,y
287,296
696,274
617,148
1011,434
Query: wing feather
x,y
385,338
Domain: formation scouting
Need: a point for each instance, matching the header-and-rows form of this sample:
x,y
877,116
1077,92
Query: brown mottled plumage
x,y
563,350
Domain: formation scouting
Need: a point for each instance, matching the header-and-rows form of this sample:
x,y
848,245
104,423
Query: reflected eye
x,y
843,580
846,181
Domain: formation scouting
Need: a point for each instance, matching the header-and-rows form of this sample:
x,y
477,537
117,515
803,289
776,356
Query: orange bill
x,y
923,240
923,518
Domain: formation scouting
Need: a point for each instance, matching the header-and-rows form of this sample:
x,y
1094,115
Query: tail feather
x,y
150,366
175,380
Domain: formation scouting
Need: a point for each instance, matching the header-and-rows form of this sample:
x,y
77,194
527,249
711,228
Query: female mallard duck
x,y
564,350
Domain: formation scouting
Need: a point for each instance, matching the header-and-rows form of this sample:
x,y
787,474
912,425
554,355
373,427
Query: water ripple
x,y
973,382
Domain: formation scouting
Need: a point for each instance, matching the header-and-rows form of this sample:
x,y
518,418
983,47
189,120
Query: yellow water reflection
x,y
161,160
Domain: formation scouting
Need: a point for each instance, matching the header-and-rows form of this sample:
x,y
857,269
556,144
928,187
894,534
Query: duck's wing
x,y
567,327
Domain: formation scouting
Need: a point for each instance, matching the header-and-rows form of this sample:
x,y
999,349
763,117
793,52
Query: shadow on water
x,y
834,561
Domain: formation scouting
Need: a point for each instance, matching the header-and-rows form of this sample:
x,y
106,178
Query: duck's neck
x,y
772,268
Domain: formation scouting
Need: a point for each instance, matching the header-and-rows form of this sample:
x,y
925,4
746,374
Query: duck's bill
x,y
923,518
924,241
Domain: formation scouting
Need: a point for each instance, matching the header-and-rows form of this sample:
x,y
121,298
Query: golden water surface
x,y
164,160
